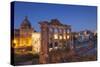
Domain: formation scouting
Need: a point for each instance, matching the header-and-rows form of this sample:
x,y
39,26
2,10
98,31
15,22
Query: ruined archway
x,y
54,35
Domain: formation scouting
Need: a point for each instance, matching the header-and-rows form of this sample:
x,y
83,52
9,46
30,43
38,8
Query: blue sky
x,y
79,17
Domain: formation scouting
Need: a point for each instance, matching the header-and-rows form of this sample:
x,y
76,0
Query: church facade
x,y
26,37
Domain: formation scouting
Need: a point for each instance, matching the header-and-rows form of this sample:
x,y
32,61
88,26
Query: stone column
x,y
72,40
62,34
44,43
66,37
71,46
66,34
53,32
50,35
58,36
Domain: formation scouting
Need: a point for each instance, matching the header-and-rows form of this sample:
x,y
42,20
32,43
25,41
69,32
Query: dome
x,y
25,24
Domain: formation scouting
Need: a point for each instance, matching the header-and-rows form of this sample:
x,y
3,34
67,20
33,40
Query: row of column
x,y
45,34
65,32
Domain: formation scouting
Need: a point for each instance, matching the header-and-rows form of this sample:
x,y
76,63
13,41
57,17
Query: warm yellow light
x,y
15,41
64,37
67,36
36,42
55,36
60,37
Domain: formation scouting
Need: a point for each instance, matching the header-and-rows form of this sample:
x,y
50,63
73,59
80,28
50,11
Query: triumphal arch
x,y
55,37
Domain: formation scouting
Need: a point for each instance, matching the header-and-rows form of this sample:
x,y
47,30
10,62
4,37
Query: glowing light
x,y
15,41
55,36
60,37
68,36
64,37
36,42
50,49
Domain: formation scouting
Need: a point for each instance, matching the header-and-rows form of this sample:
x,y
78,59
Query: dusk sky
x,y
79,17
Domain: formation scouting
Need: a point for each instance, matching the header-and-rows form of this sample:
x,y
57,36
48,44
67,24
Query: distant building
x,y
85,35
23,35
